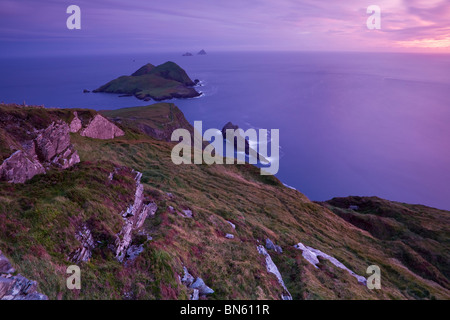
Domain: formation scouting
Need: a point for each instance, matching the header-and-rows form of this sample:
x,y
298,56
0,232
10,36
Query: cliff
x,y
158,120
141,227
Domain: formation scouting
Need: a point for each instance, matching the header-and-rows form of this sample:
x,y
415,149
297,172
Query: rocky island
x,y
163,82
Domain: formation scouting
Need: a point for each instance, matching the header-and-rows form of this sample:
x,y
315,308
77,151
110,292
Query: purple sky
x,y
39,26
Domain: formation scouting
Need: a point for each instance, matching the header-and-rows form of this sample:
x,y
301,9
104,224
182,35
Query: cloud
x,y
231,24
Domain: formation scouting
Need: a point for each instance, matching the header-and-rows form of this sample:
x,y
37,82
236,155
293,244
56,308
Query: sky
x,y
39,27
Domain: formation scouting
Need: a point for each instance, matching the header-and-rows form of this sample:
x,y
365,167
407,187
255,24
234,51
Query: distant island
x,y
202,52
163,82
187,54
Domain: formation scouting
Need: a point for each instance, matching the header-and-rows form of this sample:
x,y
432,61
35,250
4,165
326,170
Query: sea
x,y
361,124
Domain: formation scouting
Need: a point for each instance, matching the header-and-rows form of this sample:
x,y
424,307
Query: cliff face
x,y
158,120
141,227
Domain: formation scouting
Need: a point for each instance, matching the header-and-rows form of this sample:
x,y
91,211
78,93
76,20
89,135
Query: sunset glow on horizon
x,y
174,25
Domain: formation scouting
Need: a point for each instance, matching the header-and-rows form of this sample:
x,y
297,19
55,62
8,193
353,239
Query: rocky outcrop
x,y
134,251
84,252
202,288
75,124
50,148
53,146
271,246
201,52
100,128
272,268
187,213
20,167
240,143
232,225
16,287
311,255
134,217
197,285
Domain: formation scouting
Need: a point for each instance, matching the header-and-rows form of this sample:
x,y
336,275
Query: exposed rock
x,y
187,279
52,141
16,287
83,253
134,218
134,251
20,167
200,285
271,246
100,128
272,268
231,224
311,255
76,124
50,148
195,294
229,236
197,284
123,240
187,54
53,146
240,143
5,286
202,52
19,288
86,91
187,213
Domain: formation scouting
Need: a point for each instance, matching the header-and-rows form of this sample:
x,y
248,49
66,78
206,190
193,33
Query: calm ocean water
x,y
350,123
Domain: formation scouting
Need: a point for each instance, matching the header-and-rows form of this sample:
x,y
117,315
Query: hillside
x,y
141,227
162,82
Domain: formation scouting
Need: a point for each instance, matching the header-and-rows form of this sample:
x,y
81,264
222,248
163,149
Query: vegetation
x,y
38,221
165,81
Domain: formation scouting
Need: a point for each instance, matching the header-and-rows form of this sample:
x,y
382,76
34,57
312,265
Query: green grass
x,y
39,220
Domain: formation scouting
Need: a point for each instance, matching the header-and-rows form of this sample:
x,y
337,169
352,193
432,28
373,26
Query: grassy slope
x,y
416,234
39,219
